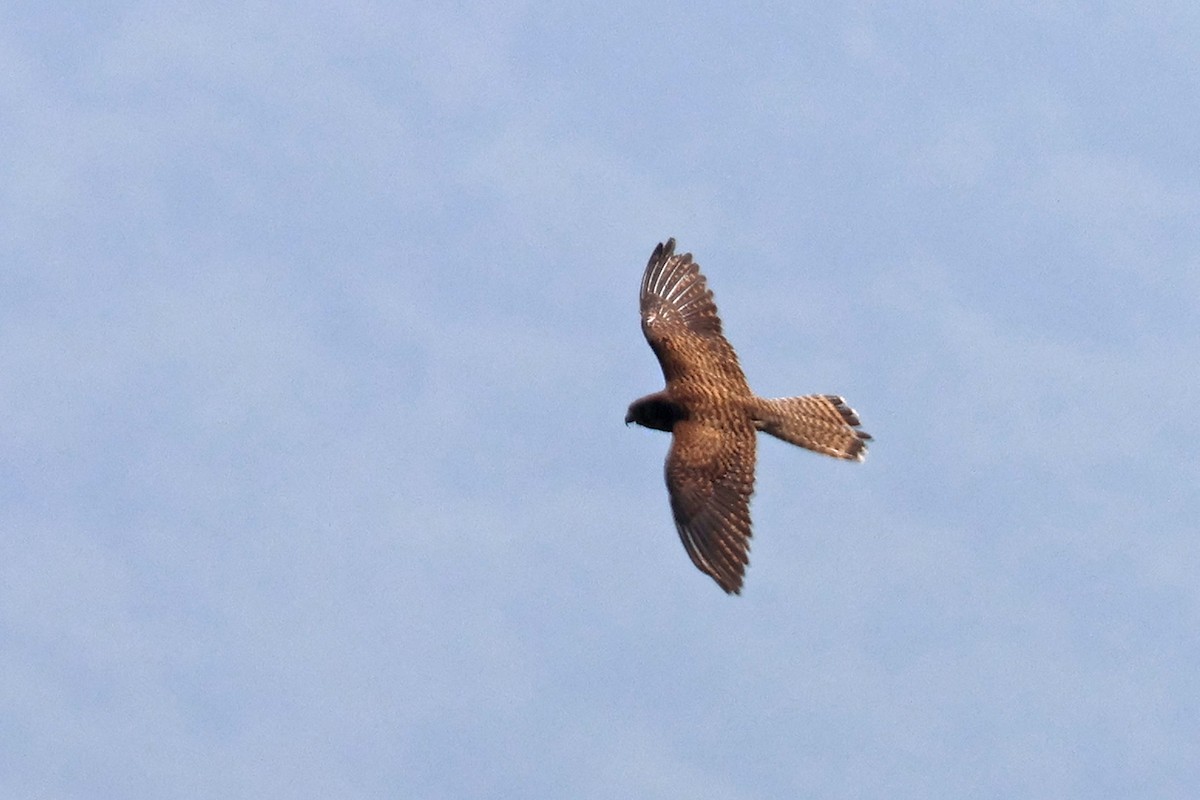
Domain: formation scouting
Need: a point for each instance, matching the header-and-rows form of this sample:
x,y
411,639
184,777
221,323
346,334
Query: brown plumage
x,y
713,417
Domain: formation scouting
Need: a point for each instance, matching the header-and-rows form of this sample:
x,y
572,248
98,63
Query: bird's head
x,y
657,411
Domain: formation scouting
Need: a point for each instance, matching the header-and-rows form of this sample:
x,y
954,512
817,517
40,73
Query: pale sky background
x,y
318,324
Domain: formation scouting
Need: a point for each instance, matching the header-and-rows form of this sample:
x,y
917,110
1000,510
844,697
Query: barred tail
x,y
819,422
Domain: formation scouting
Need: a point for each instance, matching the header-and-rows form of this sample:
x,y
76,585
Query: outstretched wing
x,y
710,477
679,319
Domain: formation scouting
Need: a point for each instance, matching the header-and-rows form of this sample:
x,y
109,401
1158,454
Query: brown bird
x,y
713,417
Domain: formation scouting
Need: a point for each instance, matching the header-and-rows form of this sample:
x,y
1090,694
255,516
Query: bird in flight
x,y
713,418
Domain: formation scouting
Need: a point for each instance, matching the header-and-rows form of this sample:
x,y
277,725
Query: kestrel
x,y
713,417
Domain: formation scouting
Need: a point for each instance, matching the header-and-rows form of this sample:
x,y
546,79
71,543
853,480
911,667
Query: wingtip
x,y
730,580
663,251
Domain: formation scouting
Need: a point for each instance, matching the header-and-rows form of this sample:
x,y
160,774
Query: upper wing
x,y
679,319
710,477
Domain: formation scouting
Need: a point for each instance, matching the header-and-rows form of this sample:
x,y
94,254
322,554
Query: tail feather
x,y
822,423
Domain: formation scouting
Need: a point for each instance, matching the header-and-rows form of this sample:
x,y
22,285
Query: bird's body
x,y
713,417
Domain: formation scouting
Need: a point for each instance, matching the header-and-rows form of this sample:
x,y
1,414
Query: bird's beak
x,y
628,419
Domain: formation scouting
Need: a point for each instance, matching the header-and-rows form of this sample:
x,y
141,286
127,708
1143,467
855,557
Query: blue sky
x,y
317,330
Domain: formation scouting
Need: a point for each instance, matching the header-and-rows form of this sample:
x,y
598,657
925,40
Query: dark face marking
x,y
655,411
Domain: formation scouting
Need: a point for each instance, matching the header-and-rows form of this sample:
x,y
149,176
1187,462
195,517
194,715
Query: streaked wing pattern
x,y
714,418
710,477
680,320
